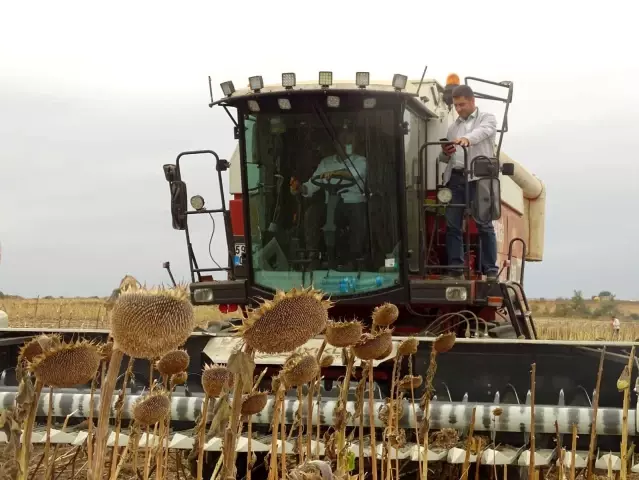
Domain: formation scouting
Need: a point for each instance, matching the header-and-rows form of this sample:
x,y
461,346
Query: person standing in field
x,y
616,327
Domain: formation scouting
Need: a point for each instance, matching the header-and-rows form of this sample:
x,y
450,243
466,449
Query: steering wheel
x,y
332,188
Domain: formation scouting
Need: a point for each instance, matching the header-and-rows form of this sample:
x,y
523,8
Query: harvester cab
x,y
338,185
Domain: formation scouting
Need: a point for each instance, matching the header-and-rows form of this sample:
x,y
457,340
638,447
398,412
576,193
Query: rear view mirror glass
x,y
486,206
179,204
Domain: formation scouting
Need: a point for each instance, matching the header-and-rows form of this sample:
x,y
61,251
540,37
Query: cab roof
x,y
430,90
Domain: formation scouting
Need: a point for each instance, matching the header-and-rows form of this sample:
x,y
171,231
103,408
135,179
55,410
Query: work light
x,y
227,88
326,79
256,83
284,103
445,195
253,106
399,81
362,79
332,101
288,80
197,202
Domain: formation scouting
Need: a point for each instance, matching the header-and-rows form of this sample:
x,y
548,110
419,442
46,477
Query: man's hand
x,y
463,141
294,185
448,149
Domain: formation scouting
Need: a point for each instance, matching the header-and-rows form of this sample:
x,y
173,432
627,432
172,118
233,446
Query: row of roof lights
x,y
362,80
332,101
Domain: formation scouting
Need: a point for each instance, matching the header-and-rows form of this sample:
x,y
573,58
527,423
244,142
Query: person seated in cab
x,y
351,208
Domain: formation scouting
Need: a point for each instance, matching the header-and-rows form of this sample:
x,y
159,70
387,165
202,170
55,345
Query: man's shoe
x,y
492,277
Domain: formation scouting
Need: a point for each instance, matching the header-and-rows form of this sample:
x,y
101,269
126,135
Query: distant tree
x,y
578,304
606,293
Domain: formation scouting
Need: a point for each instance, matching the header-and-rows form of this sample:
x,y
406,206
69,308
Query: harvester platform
x,y
496,378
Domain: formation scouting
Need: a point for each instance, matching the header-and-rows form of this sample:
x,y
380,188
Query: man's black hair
x,y
463,91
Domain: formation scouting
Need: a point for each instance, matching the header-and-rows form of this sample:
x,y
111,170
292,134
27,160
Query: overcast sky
x,y
94,100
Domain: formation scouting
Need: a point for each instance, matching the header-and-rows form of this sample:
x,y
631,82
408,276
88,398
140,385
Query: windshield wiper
x,y
340,148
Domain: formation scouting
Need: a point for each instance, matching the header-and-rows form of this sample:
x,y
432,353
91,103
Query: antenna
x,y
210,89
167,265
421,81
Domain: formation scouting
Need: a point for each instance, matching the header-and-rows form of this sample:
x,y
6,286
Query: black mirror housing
x,y
170,172
179,204
483,166
508,169
486,206
222,165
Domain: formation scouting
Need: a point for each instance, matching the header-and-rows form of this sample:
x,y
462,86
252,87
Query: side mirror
x,y
483,166
171,173
179,204
486,205
508,169
222,165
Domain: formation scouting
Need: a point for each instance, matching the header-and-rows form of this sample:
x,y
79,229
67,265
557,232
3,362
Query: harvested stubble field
x,y
625,307
584,329
91,313
75,312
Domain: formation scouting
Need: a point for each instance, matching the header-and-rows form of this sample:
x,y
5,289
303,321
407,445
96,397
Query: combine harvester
x,y
390,136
